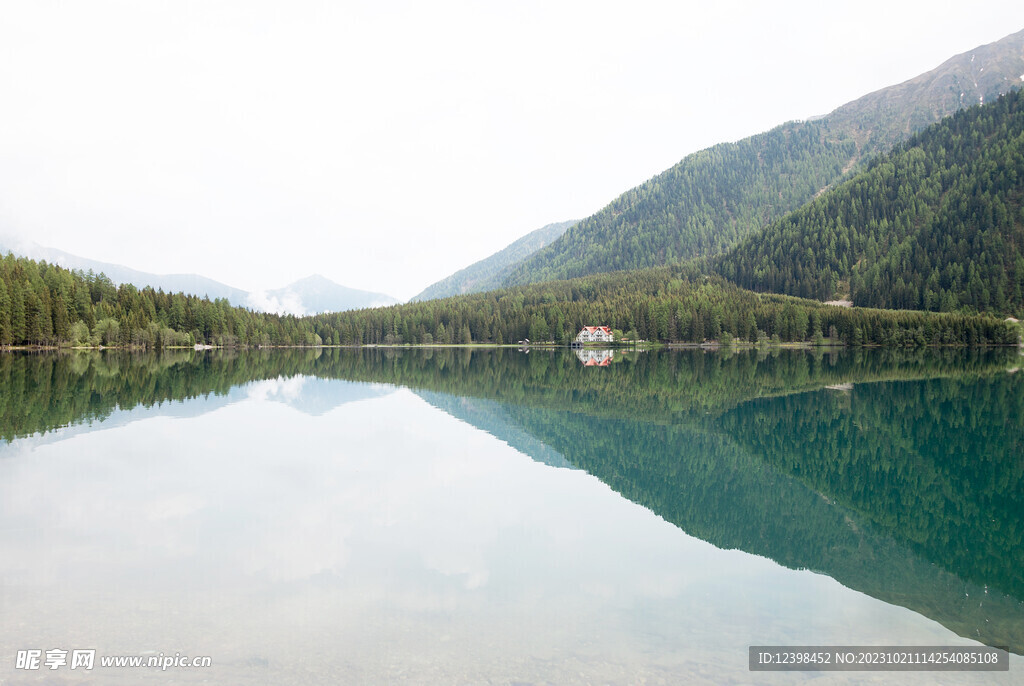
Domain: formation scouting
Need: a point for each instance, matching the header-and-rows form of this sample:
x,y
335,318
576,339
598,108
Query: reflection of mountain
x,y
693,437
115,417
40,393
318,396
909,489
495,419
930,463
708,485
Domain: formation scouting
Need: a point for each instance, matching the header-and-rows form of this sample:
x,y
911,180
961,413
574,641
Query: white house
x,y
594,334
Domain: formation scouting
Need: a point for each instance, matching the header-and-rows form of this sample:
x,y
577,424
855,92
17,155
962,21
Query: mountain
x,y
95,389
170,283
938,224
881,119
489,273
713,198
306,296
315,294
701,206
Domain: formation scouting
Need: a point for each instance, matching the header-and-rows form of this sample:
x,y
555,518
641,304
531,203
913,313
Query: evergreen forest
x,y
937,224
43,304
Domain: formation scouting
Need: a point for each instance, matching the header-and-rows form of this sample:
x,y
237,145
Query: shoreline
x,y
708,345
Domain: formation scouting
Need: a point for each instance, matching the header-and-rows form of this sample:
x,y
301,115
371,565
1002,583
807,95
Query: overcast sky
x,y
387,144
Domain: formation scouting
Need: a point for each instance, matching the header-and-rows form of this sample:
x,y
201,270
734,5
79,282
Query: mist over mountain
x,y
170,283
311,295
713,198
315,294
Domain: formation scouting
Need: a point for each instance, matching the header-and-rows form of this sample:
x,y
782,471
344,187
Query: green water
x,y
458,515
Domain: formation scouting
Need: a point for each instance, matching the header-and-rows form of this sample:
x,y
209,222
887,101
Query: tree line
x,y
44,304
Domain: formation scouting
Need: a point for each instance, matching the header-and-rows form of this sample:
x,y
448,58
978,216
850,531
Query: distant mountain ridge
x,y
315,294
712,199
490,273
171,283
310,295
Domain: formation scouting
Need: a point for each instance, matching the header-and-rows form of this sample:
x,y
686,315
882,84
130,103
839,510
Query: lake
x,y
498,516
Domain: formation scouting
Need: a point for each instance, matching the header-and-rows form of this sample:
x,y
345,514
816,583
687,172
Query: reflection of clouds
x,y
256,491
250,489
310,542
383,526
172,506
277,389
312,395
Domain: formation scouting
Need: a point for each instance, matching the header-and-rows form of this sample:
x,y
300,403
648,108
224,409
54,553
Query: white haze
x,y
386,145
291,303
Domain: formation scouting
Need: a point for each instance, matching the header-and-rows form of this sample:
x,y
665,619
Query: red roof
x,y
592,329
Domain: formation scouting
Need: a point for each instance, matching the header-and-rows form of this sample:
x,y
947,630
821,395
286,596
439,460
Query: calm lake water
x,y
493,516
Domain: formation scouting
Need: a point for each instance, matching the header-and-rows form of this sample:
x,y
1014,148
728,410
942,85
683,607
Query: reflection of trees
x,y
42,392
710,486
938,464
910,490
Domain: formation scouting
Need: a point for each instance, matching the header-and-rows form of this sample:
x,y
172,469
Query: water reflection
x,y
304,502
594,358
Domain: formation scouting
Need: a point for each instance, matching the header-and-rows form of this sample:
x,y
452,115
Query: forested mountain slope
x,y
713,198
660,304
490,272
937,224
701,206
